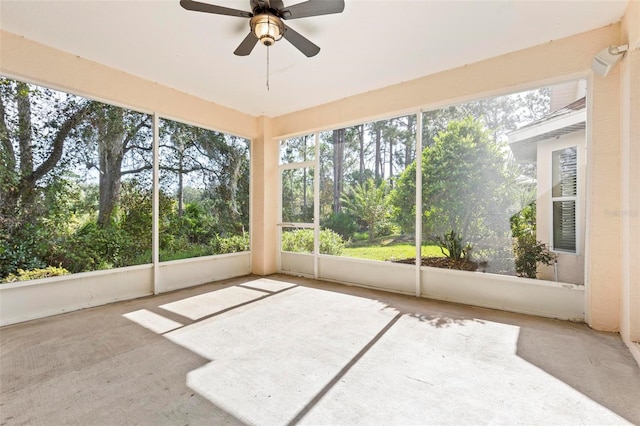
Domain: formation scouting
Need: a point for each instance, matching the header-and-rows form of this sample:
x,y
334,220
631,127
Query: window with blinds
x,y
564,164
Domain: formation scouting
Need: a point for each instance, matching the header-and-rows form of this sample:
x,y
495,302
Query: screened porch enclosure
x,y
304,208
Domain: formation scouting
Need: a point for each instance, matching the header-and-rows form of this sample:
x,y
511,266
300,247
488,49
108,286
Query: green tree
x,y
463,191
35,125
368,203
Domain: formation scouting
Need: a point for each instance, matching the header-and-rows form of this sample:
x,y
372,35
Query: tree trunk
x,y
338,163
361,138
111,134
180,187
22,182
408,146
234,170
391,160
24,129
304,178
178,144
378,157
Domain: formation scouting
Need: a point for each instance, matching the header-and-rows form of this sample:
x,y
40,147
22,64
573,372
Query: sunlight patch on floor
x,y
152,321
313,356
268,285
270,358
203,305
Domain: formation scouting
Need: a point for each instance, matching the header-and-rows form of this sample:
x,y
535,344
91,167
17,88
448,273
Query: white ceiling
x,y
372,44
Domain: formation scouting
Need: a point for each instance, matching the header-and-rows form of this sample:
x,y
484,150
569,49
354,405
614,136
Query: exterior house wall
x,y
570,266
630,153
603,257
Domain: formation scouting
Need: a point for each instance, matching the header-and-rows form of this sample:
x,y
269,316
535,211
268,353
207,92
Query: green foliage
x,y
91,248
301,241
368,202
341,223
528,251
34,274
136,218
68,216
19,251
463,187
233,244
529,254
523,223
196,224
452,246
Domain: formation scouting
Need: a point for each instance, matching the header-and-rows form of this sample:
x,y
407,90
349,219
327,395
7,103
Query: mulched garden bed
x,y
442,262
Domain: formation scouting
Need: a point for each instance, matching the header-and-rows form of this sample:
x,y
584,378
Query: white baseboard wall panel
x,y
523,295
178,274
28,300
508,293
396,277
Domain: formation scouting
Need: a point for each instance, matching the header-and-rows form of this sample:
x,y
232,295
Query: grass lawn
x,y
390,252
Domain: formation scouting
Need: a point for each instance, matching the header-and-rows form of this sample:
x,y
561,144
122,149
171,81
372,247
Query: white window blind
x,y
563,196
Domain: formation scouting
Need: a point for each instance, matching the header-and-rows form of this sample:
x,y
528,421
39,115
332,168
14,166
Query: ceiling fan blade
x,y
312,8
277,4
247,45
211,8
300,42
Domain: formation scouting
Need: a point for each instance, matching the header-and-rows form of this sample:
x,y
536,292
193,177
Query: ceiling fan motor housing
x,y
267,28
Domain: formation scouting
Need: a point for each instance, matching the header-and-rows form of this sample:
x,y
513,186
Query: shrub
x,y
451,246
233,244
93,248
529,253
34,274
341,223
301,241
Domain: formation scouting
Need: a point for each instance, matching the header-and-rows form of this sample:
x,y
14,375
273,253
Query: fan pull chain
x,y
268,68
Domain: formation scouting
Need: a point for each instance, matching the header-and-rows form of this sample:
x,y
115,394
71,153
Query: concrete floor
x,y
288,350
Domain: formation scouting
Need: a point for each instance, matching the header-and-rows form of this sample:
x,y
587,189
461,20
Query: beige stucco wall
x,y
570,266
630,170
34,62
264,195
553,62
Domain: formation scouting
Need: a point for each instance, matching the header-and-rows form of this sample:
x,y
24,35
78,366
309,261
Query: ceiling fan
x,y
266,18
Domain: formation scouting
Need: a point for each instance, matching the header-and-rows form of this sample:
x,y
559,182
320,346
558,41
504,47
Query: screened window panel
x,y
297,150
297,195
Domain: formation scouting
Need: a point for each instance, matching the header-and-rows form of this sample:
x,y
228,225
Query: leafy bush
x,y
341,223
92,248
529,253
17,255
369,203
451,246
301,241
233,244
330,242
34,274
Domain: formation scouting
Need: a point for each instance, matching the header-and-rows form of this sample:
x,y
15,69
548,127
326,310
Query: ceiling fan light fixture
x,y
267,28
